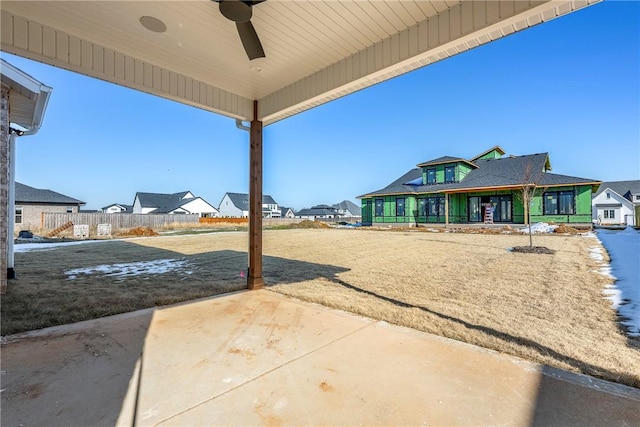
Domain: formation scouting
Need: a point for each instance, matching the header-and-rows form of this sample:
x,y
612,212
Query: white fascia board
x,y
416,47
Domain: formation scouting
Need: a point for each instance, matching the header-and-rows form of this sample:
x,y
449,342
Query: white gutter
x,y
19,81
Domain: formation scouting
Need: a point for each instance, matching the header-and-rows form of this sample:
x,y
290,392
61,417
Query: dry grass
x,y
469,287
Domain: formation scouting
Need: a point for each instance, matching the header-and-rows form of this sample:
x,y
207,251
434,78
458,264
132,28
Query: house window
x,y
449,174
559,203
435,206
638,197
18,219
379,207
431,176
612,214
400,207
608,195
69,209
422,207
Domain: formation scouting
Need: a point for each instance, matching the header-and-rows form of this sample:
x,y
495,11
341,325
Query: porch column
x,y
446,210
4,186
254,279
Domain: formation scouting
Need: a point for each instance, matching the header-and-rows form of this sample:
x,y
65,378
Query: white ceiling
x,y
315,50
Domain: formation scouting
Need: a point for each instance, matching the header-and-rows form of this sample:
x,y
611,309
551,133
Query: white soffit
x,y
28,98
316,51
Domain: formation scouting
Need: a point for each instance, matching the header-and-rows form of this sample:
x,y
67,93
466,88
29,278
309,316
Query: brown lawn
x,y
469,287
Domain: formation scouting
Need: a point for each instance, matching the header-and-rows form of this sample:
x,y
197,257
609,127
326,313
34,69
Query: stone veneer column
x,y
4,186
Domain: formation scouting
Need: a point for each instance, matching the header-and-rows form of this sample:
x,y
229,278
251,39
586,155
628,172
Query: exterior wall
x,y
113,209
459,210
4,186
623,214
582,203
493,154
461,170
228,209
32,214
137,206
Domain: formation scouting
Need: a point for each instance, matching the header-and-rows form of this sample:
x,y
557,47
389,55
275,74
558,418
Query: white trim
x,y
18,80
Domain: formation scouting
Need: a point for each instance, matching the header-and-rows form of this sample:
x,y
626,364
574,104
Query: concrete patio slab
x,y
260,358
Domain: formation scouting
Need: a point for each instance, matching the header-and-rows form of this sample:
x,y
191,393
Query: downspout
x,y
40,107
11,207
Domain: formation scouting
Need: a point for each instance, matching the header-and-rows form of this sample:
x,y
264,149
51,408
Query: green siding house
x,y
487,188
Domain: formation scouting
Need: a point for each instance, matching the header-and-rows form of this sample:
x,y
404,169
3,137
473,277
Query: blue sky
x,y
569,87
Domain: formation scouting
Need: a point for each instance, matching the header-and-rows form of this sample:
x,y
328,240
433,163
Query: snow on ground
x,y
539,227
28,247
158,266
624,293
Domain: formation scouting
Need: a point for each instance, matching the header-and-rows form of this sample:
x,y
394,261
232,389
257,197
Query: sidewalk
x,y
259,358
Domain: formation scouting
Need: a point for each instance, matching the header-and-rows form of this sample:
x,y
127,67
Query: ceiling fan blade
x,y
250,40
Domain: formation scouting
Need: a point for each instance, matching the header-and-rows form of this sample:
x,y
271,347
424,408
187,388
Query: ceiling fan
x,y
240,12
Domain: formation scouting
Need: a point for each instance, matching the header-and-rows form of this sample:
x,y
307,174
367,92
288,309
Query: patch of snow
x,y
159,266
595,253
28,247
624,293
539,227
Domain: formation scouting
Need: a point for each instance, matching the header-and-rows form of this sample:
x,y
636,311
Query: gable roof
x,y
26,194
127,208
347,205
164,203
241,200
621,187
509,172
284,210
443,160
319,210
484,153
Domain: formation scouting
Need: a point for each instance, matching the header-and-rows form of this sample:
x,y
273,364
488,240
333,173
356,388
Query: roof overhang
x,y
447,162
28,98
316,51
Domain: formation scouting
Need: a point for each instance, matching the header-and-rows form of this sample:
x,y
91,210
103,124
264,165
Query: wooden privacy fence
x,y
118,220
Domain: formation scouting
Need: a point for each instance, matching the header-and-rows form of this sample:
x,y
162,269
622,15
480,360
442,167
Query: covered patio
x,y
258,62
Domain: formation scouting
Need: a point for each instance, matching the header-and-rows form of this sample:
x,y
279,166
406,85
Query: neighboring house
x,y
287,213
31,203
615,201
485,188
318,212
236,205
177,203
117,208
348,209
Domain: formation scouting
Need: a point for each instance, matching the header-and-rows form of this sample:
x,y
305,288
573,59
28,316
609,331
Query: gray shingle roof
x,y
163,203
241,200
284,210
26,194
317,211
347,205
623,188
490,173
443,159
